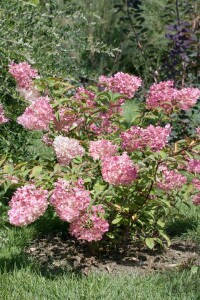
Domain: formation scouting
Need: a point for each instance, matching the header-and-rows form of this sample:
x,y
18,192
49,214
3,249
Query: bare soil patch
x,y
55,254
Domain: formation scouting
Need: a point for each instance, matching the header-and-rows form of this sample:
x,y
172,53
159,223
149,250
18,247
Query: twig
x,y
177,12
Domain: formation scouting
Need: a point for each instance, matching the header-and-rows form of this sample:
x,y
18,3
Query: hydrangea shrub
x,y
110,175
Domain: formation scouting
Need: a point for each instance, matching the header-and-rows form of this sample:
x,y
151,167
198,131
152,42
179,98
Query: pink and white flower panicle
x,y
69,199
193,165
66,149
164,95
38,115
121,83
155,137
102,148
91,225
118,170
23,74
170,179
27,205
196,183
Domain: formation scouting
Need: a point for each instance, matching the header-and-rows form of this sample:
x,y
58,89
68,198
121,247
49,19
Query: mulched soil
x,y
56,254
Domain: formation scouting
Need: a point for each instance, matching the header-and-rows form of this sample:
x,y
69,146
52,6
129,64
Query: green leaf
x,y
166,203
110,235
2,160
57,116
8,169
78,160
165,237
131,111
20,165
163,154
32,2
150,243
117,220
6,185
161,224
87,180
36,171
98,187
25,172
57,168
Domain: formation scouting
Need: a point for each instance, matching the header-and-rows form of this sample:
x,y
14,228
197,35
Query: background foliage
x,y
80,40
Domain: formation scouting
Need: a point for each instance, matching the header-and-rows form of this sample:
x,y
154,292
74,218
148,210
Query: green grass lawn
x,y
22,278
29,284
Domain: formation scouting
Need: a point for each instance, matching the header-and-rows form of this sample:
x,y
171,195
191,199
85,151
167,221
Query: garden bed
x,y
56,254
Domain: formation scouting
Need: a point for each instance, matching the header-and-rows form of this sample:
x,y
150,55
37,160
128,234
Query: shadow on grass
x,y
181,226
22,262
13,255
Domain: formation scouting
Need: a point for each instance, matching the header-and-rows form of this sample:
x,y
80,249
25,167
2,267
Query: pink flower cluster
x,y
196,183
66,149
67,119
3,119
121,83
23,74
27,204
69,199
118,170
102,148
85,96
161,95
196,199
164,95
90,226
38,115
186,97
170,179
193,165
155,137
